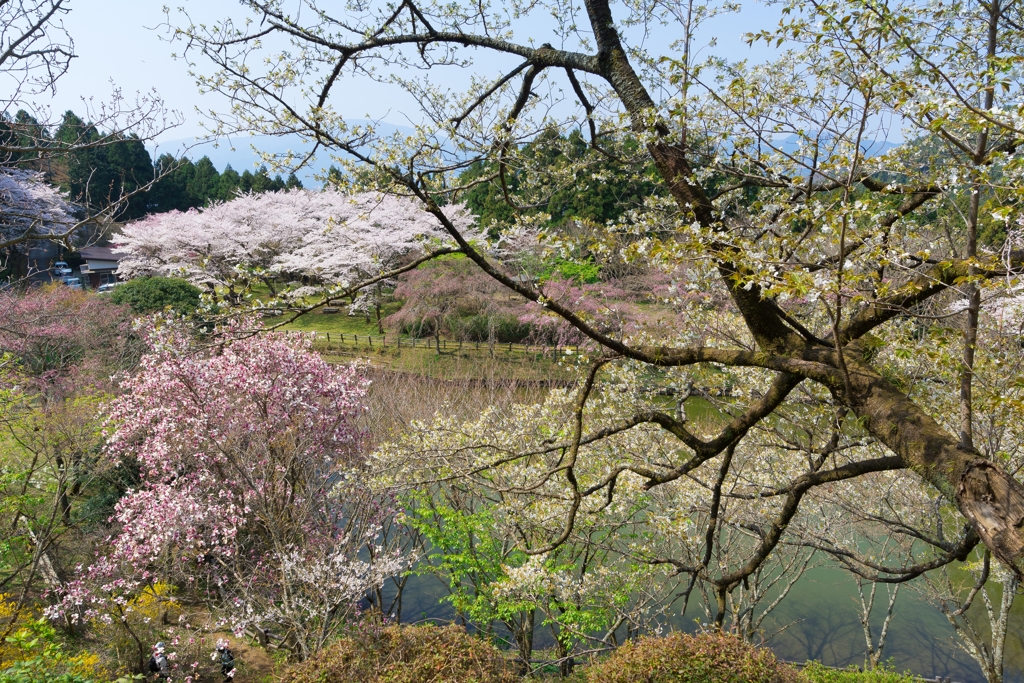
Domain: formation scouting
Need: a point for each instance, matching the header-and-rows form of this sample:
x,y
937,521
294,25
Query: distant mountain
x,y
238,152
872,148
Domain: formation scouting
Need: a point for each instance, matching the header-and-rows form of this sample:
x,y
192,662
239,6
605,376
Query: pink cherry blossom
x,y
327,236
29,205
249,463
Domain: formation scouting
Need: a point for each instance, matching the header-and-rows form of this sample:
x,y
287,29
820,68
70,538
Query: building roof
x,y
100,254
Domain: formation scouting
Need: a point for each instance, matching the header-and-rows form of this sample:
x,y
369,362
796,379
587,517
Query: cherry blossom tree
x,y
250,496
327,237
777,196
62,339
31,207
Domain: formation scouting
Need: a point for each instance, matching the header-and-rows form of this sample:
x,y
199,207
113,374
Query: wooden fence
x,y
338,339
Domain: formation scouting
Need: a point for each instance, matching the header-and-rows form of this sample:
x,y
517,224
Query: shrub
x,y
407,654
816,673
34,654
582,273
148,294
681,658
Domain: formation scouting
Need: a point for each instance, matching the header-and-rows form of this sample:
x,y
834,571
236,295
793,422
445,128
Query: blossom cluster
x,y
328,236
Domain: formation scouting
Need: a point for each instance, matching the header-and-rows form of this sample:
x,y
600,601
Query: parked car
x,y
108,287
61,268
72,282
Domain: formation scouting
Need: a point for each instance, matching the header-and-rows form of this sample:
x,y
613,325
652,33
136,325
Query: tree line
x,y
96,175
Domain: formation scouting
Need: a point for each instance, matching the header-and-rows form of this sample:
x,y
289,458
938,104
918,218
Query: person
x,y
227,659
158,663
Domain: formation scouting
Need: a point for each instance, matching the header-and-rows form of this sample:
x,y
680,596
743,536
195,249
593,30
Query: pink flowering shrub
x,y
605,305
454,297
250,497
59,335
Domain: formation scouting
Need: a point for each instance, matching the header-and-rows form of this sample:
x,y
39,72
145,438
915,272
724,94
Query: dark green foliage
x,y
99,176
192,185
205,182
590,185
22,131
407,654
171,191
148,294
702,658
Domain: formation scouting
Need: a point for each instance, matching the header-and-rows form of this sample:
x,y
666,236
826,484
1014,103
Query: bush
x,y
34,654
816,673
407,654
148,294
702,658
582,273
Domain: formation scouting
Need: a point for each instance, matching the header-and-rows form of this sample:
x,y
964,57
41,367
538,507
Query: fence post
x,y
510,347
328,338
371,341
342,337
356,338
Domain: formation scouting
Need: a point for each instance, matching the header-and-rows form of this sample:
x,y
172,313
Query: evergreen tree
x,y
204,186
245,182
96,177
23,131
229,183
262,182
171,192
566,176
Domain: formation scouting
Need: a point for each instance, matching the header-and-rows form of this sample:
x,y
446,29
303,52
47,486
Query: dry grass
x,y
397,398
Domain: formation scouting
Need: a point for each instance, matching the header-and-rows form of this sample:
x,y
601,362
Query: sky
x,y
125,43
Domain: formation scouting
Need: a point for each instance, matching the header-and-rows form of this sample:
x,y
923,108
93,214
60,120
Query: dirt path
x,y
253,663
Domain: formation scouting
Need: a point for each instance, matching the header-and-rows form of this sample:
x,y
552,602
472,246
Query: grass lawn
x,y
334,323
469,363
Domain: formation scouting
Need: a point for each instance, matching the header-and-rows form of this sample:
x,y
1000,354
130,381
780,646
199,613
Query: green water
x,y
819,620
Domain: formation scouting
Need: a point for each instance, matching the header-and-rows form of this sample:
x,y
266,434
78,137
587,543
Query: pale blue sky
x,y
122,41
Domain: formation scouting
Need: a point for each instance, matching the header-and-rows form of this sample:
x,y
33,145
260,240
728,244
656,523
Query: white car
x,y
72,282
108,287
61,268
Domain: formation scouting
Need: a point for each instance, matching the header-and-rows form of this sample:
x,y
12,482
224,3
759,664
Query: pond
x,y
818,620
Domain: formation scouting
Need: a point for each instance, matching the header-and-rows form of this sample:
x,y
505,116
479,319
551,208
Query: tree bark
x,y
986,495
